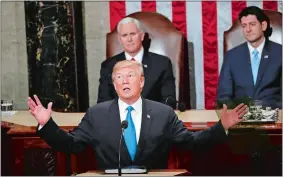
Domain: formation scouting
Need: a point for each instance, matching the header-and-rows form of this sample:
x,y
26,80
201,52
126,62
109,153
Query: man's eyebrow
x,y
116,73
127,73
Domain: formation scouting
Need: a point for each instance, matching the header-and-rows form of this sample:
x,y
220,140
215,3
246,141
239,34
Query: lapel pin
x,y
265,56
148,116
145,66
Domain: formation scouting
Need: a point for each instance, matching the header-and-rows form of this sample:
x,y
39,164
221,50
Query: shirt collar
x,y
137,105
259,48
138,57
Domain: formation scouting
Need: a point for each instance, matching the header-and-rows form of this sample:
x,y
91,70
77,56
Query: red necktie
x,y
133,59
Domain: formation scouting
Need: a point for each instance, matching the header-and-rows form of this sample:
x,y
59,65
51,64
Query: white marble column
x,y
96,26
14,67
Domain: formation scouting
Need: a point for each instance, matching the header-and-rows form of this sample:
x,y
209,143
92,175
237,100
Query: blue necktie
x,y
130,134
255,65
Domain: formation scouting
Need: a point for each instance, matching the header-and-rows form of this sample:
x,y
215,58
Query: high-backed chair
x,y
162,38
234,36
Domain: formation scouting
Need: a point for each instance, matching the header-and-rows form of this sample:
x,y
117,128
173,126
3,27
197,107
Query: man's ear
x,y
114,84
142,35
142,82
264,25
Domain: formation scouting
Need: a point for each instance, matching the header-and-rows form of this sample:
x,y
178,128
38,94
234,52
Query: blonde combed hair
x,y
127,64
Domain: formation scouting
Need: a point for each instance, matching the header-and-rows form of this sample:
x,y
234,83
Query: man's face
x,y
130,38
128,83
253,30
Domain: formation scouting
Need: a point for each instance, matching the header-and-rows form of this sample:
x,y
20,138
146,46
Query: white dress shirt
x,y
136,114
138,57
259,49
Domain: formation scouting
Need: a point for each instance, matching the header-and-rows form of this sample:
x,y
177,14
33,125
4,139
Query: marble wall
x,y
51,53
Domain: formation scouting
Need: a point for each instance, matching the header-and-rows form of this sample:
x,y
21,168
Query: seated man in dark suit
x,y
254,68
152,126
159,78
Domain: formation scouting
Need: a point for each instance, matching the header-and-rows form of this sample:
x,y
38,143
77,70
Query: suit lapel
x,y
145,128
115,122
264,61
147,64
121,57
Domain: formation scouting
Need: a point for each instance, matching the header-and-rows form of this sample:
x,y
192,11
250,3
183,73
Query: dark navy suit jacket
x,y
236,80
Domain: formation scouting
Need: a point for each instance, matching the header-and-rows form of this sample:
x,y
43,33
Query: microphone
x,y
124,125
181,106
170,101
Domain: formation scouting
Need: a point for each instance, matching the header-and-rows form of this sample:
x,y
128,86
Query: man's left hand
x,y
233,117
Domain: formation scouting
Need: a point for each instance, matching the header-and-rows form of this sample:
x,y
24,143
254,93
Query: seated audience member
x,y
152,126
253,69
159,78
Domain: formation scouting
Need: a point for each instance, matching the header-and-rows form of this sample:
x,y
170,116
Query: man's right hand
x,y
41,114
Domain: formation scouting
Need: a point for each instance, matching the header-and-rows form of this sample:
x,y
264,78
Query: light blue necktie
x,y
255,65
130,134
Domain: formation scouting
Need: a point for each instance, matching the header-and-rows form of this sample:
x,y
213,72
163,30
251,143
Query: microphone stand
x,y
119,156
124,125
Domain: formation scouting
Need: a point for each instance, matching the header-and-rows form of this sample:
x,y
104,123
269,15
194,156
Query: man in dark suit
x,y
152,126
159,78
253,69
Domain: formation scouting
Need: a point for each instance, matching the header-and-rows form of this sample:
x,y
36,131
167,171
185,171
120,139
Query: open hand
x,y
41,114
233,117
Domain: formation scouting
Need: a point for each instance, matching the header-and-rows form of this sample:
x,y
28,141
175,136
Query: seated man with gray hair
x,y
159,78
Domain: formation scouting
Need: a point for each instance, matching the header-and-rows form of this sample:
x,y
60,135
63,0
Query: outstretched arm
x,y
209,137
57,138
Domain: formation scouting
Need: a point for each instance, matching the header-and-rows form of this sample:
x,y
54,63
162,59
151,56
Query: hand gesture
x,y
231,118
41,114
